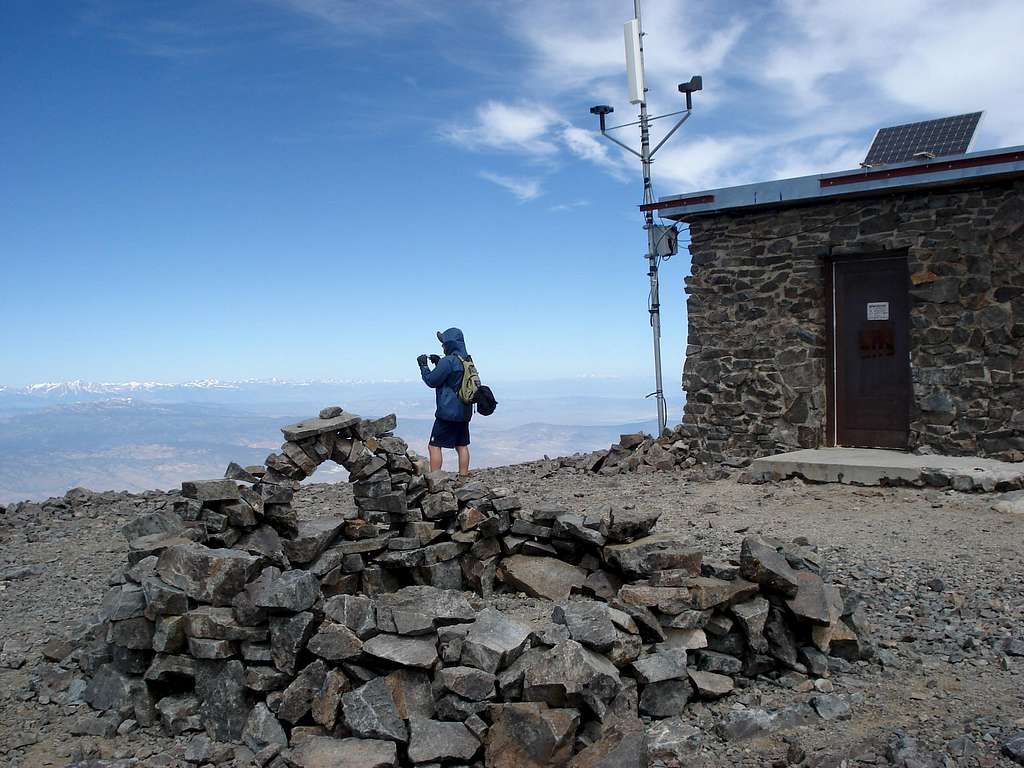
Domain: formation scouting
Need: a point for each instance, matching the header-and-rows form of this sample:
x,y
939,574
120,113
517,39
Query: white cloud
x,y
577,45
817,156
531,129
719,161
927,77
588,145
523,127
902,61
575,50
795,87
523,189
562,207
355,16
699,163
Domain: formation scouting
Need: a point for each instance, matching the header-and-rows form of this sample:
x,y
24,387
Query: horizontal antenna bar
x,y
649,120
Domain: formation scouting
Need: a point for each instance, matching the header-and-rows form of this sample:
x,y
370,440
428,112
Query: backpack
x,y
470,380
485,402
472,392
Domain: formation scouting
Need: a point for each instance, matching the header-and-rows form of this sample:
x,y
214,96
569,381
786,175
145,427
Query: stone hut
x,y
879,307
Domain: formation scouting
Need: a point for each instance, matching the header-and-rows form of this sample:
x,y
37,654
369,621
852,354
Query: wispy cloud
x,y
577,44
356,16
587,145
524,189
523,127
174,30
573,50
927,57
534,130
729,159
793,86
571,206
177,35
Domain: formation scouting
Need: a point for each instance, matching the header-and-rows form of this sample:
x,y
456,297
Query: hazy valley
x,y
138,436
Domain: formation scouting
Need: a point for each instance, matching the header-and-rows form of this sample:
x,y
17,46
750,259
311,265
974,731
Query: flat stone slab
x,y
324,752
545,577
433,741
658,667
317,426
1010,503
711,685
437,606
209,490
871,466
408,651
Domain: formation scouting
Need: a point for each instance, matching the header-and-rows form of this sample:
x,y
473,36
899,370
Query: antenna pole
x,y
634,39
652,255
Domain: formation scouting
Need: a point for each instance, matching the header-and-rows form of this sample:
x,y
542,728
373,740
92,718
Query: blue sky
x,y
309,188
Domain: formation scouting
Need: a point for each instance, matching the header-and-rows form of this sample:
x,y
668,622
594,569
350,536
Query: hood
x,y
453,341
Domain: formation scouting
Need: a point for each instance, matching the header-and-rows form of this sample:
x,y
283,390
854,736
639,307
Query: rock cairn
x,y
349,641
640,452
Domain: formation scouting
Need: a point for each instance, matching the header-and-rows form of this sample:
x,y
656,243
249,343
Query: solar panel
x,y
939,138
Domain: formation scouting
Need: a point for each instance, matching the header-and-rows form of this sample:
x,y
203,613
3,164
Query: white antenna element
x,y
634,61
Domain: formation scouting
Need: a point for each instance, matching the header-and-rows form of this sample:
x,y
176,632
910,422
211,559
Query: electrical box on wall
x,y
666,241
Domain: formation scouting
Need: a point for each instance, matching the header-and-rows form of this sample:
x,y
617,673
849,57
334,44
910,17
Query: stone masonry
x,y
756,364
357,641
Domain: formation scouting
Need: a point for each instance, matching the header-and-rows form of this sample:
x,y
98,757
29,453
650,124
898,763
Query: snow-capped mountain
x,y
48,393
78,390
66,389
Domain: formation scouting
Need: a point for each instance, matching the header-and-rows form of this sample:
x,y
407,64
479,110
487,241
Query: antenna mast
x,y
660,240
652,256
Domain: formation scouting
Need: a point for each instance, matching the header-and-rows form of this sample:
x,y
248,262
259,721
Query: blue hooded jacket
x,y
446,378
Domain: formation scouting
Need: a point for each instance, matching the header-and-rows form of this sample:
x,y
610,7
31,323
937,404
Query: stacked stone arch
x,y
352,639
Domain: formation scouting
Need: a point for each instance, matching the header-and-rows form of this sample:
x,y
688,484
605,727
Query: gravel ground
x,y
942,575
946,672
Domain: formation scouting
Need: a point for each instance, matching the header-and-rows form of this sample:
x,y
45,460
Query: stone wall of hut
x,y
756,364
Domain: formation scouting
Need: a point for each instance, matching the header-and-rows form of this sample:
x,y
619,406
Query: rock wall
x,y
756,358
349,640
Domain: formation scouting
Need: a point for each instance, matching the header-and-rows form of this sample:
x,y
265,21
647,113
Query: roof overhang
x,y
863,182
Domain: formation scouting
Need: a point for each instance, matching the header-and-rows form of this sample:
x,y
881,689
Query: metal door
x,y
872,352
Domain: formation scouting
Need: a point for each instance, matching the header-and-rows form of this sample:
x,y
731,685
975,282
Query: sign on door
x,y
878,310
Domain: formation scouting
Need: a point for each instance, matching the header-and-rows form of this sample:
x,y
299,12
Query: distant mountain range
x,y
79,388
286,390
142,435
252,390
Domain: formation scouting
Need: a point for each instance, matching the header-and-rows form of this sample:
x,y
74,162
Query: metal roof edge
x,y
941,171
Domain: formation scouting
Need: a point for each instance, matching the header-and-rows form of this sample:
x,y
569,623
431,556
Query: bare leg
x,y
463,451
435,457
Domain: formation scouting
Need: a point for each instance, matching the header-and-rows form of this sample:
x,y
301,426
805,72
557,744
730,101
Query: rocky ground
x,y
942,574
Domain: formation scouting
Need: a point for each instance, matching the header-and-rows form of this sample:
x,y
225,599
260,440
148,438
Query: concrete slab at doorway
x,y
869,466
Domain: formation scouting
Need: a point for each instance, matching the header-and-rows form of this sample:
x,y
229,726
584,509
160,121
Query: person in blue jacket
x,y
451,419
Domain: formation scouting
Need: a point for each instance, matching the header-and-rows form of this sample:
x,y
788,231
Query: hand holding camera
x,y
422,360
435,359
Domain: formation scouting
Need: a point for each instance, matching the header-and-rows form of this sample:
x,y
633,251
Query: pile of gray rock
x,y
639,452
350,641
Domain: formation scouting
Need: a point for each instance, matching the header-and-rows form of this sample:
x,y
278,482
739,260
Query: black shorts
x,y
449,434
